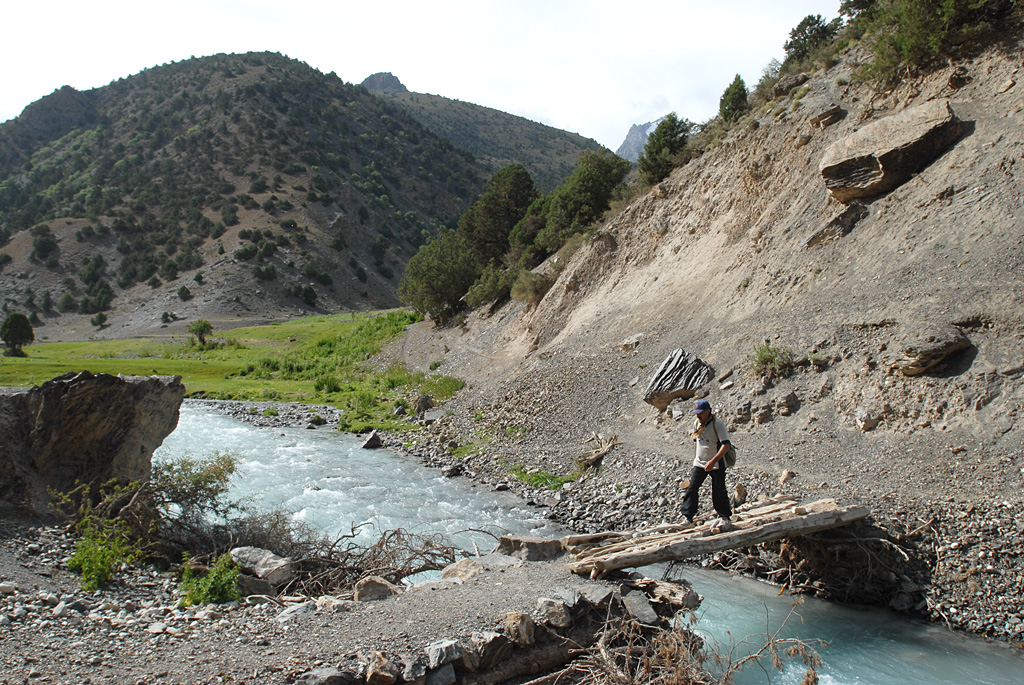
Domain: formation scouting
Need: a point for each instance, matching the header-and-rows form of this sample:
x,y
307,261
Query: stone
x,y
423,403
490,648
680,375
520,628
8,588
251,585
443,652
838,227
886,153
381,671
788,83
529,548
156,627
333,604
639,607
432,416
264,564
442,676
929,345
866,420
631,343
786,476
553,612
826,115
414,667
373,588
114,424
463,569
372,441
330,676
297,610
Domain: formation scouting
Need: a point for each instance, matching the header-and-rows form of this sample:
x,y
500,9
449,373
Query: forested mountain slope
x,y
230,187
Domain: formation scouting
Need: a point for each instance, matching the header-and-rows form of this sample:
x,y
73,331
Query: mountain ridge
x,y
494,137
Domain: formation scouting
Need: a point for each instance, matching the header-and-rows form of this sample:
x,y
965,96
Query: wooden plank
x,y
819,517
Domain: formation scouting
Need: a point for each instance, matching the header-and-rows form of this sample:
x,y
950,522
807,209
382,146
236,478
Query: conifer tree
x,y
666,141
734,100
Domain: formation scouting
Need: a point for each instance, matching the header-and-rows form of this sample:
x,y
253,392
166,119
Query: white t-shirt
x,y
707,445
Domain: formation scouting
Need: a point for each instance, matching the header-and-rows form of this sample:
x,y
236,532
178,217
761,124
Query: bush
x,y
771,361
326,384
218,586
104,546
530,287
493,285
920,33
439,275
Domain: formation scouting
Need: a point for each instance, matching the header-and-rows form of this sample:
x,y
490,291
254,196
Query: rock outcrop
x,y
884,154
679,376
928,346
83,428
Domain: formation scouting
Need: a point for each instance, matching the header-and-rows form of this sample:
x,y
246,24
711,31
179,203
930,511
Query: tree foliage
x,y
200,328
439,275
487,223
663,145
811,33
582,199
16,332
920,33
733,102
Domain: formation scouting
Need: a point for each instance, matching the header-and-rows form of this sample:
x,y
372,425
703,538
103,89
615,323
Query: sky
x,y
592,67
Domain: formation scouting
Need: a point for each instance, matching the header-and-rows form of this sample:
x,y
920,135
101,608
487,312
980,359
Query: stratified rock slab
x,y
886,153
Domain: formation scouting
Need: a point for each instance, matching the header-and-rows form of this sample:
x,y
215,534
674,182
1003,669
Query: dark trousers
x,y
719,495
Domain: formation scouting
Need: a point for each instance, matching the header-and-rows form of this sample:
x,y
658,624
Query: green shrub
x,y
326,384
270,411
530,287
104,546
771,361
218,586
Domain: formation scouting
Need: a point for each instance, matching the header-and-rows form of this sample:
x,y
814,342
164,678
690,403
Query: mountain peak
x,y
384,82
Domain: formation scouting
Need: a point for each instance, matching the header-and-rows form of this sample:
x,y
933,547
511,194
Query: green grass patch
x,y
320,359
542,479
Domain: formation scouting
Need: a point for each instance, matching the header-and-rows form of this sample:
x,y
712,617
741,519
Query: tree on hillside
x,y
666,141
487,223
16,332
811,33
733,102
582,199
200,328
439,275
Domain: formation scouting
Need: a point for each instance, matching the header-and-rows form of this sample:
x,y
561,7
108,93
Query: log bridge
x,y
767,520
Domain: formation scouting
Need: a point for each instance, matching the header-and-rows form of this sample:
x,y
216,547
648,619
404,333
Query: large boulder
x,y
928,345
83,428
884,154
679,376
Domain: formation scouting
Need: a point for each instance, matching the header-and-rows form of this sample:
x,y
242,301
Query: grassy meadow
x,y
320,359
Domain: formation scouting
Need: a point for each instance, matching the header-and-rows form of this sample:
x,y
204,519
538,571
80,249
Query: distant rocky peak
x,y
384,82
635,140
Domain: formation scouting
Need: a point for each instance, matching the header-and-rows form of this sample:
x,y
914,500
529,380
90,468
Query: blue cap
x,y
702,405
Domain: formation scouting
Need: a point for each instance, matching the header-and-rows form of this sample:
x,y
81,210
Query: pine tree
x,y
734,100
666,141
